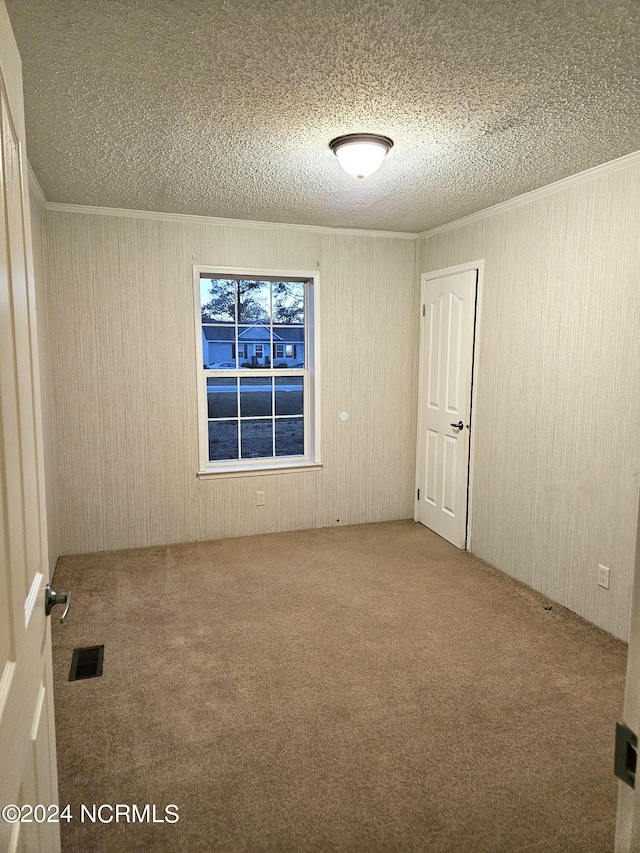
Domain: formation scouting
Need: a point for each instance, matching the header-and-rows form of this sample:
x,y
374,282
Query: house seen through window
x,y
256,370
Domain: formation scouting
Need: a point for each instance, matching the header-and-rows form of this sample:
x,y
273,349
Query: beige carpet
x,y
366,688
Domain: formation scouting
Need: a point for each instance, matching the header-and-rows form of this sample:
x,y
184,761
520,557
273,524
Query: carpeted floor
x,y
366,688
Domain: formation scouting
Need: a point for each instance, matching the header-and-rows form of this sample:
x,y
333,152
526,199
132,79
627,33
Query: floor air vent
x,y
86,663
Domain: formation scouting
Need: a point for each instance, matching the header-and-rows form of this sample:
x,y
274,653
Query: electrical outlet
x,y
260,499
603,577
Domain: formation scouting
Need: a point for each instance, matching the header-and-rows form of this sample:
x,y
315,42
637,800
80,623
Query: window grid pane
x,y
232,309
233,431
289,436
256,438
223,440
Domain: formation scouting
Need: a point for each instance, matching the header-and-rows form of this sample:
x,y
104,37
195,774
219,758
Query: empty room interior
x,y
336,459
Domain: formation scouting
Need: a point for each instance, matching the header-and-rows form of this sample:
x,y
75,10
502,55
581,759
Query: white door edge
x,y
424,278
628,808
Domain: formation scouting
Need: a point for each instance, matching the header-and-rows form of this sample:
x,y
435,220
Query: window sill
x,y
257,471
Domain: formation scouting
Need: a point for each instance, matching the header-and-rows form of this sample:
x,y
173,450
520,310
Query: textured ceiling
x,y
226,107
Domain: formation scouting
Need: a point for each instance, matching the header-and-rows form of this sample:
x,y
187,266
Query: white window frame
x,y
311,405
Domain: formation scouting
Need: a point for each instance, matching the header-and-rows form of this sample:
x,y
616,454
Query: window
x,y
256,415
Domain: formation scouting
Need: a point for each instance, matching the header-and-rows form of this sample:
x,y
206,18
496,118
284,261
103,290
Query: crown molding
x,y
212,220
573,180
34,186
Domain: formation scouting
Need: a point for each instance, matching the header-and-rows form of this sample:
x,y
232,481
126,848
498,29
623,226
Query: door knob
x,y
459,425
51,598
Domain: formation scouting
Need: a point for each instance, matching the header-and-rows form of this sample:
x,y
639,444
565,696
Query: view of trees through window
x,y
224,300
254,325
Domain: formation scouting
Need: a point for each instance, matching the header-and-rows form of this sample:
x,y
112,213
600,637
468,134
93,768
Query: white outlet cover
x,y
603,576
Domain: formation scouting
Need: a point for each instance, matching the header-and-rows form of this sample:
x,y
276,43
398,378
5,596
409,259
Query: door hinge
x,y
418,494
626,755
424,310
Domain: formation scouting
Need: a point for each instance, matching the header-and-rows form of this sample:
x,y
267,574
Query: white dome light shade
x,y
361,154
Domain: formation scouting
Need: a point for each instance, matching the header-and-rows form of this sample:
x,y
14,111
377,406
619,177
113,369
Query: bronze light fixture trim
x,y
361,154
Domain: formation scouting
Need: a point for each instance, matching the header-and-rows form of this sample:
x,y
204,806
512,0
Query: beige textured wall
x,y
558,390
37,236
119,301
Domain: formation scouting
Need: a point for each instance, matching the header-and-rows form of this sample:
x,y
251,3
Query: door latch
x,y
626,755
51,598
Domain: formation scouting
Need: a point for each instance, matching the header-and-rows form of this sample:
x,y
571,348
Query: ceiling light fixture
x,y
361,154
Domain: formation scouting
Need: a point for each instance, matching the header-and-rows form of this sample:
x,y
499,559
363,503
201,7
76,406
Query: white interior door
x,y
27,741
628,821
446,367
